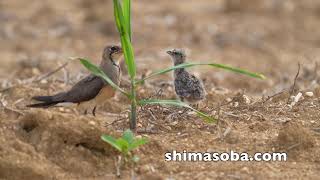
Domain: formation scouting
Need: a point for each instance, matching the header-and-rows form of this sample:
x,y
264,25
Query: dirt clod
x,y
294,136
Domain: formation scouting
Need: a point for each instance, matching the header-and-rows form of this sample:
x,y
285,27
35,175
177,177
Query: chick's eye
x,y
113,48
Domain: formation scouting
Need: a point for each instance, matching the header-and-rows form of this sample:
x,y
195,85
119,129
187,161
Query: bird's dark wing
x,y
85,90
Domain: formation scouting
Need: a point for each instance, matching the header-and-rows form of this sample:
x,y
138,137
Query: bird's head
x,y
112,53
177,55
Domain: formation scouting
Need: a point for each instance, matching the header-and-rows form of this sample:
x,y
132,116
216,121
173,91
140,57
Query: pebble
x,y
298,96
296,99
170,20
246,99
92,123
138,136
283,119
245,169
43,81
192,113
309,94
35,71
142,91
174,123
236,104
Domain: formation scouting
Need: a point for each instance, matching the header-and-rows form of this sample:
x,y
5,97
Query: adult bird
x,y
91,90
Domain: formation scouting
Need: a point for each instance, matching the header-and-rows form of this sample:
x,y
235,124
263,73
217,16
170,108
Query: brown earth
x,y
266,36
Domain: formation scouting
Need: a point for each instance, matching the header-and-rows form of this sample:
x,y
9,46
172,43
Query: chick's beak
x,y
169,52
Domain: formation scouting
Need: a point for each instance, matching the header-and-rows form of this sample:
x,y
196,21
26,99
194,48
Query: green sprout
x,y
122,13
125,144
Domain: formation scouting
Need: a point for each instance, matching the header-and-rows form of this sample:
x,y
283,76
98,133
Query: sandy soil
x,y
267,36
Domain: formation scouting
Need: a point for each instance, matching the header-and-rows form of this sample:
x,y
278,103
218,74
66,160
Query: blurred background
x,y
267,36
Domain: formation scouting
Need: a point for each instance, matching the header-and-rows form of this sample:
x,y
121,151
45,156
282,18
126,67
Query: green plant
x,y
122,13
125,144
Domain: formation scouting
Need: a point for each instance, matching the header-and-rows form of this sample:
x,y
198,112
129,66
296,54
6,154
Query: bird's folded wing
x,y
85,90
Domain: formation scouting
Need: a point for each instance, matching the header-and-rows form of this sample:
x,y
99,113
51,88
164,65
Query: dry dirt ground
x,y
267,36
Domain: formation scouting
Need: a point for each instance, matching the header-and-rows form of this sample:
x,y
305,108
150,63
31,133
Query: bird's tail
x,y
46,101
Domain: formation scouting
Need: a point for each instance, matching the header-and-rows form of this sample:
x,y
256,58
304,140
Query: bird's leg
x,y
94,111
85,112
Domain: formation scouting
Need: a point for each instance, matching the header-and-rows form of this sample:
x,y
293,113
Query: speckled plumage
x,y
187,87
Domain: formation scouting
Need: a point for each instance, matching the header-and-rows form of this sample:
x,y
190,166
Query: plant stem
x,y
133,116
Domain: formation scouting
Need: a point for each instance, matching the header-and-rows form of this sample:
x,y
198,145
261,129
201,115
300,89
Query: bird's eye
x,y
113,48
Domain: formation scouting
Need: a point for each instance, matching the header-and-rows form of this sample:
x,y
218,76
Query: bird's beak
x,y
169,52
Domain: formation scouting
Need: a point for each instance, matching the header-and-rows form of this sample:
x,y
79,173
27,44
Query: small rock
x,y
245,169
168,128
50,116
147,168
43,81
174,123
170,19
309,94
246,99
138,136
35,71
296,99
283,119
214,112
292,98
192,113
236,104
139,125
142,91
92,123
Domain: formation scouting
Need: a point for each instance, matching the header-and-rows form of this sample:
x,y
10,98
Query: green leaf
x,y
137,143
118,14
98,72
124,145
187,65
112,141
125,39
127,16
128,136
206,117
